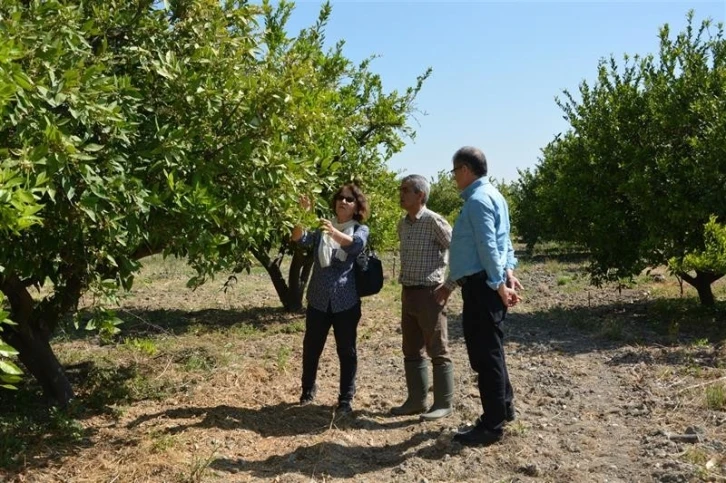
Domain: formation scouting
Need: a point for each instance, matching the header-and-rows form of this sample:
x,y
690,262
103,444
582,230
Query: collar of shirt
x,y
418,215
469,190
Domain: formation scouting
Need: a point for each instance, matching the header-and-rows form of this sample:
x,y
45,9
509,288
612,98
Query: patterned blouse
x,y
334,286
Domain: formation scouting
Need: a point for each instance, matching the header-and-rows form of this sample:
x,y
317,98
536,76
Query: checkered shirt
x,y
424,245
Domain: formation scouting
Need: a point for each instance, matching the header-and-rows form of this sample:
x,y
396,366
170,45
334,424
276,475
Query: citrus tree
x,y
445,198
18,208
639,178
189,129
365,126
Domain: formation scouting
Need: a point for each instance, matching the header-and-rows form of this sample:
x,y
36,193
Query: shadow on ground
x,y
284,419
36,435
684,332
324,458
577,257
145,323
679,332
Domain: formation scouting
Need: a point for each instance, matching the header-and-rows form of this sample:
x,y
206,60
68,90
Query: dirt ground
x,y
610,386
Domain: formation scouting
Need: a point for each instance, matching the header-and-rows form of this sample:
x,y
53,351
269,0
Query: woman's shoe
x,y
344,407
308,396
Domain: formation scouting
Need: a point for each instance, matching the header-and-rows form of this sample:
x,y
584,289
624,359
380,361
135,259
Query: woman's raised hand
x,y
305,203
327,226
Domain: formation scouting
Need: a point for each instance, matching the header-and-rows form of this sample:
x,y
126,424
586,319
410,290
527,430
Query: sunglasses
x,y
349,199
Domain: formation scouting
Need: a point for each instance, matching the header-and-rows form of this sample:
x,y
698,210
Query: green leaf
x,y
9,368
23,80
89,212
7,351
92,148
82,157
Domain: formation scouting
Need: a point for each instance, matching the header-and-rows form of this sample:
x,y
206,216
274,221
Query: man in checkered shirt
x,y
424,243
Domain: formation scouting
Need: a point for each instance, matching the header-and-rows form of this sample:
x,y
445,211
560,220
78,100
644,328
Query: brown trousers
x,y
424,326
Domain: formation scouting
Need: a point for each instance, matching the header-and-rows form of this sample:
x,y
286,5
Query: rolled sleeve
x,y
308,239
483,220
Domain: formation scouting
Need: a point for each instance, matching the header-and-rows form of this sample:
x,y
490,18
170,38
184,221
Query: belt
x,y
469,278
418,287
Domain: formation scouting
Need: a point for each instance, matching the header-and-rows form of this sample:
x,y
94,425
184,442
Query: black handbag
x,y
368,273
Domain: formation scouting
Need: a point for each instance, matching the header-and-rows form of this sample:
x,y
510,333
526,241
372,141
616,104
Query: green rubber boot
x,y
443,392
417,382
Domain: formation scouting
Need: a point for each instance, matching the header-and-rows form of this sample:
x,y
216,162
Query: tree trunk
x,y
702,283
272,266
705,294
36,354
290,292
31,338
298,276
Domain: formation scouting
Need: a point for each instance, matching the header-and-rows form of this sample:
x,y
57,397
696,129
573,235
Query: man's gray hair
x,y
419,185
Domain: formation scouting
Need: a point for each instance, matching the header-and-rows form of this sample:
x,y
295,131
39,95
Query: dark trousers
x,y
483,316
345,326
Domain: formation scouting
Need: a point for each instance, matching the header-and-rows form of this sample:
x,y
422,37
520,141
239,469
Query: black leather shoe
x,y
477,436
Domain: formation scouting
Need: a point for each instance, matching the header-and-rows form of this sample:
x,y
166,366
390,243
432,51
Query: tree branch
x,y
146,251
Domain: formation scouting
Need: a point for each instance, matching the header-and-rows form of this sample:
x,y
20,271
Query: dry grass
x,y
203,385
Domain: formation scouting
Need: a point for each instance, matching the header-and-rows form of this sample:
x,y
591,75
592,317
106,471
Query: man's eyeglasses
x,y
348,199
456,169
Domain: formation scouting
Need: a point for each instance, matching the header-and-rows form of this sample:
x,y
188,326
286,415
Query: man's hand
x,y
508,295
441,294
512,281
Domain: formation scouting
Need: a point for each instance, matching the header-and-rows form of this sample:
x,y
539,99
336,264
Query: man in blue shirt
x,y
482,262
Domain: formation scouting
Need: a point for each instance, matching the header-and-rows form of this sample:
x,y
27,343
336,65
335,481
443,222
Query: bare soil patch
x,y
610,385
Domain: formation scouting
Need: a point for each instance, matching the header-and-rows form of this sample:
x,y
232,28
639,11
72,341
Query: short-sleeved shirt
x,y
334,285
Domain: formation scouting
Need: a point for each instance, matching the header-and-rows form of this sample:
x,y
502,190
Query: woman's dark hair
x,y
361,202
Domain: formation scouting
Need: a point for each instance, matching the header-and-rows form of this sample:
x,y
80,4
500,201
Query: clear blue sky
x,y
497,66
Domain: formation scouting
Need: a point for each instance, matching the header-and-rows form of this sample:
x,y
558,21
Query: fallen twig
x,y
684,438
320,451
701,384
168,363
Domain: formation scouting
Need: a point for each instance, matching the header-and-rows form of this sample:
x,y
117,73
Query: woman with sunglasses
x,y
332,297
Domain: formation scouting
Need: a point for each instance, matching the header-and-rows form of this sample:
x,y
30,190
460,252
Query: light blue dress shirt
x,y
480,240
